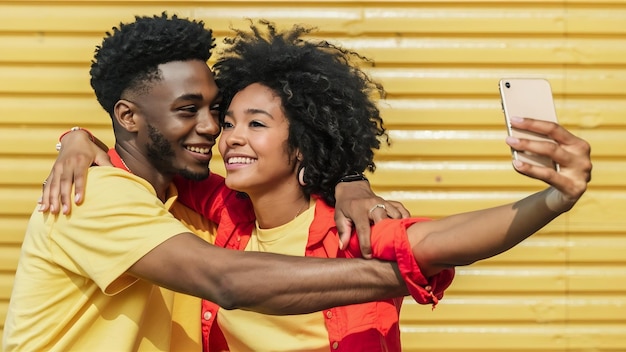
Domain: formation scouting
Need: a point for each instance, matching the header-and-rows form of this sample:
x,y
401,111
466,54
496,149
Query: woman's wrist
x,y
74,129
556,202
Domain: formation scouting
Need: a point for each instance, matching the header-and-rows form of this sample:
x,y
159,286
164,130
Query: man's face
x,y
181,119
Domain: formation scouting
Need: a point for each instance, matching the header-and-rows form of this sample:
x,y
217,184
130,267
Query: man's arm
x,y
264,282
114,236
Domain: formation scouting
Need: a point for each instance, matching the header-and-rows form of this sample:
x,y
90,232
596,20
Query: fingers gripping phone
x,y
528,97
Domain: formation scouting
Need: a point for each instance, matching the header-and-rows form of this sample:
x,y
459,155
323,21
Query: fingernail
x,y
340,245
516,119
40,200
41,206
517,164
77,198
65,208
512,140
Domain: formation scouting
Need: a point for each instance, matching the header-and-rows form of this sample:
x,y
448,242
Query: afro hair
x,y
330,102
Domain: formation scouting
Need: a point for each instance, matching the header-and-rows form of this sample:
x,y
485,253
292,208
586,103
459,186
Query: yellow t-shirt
x,y
250,331
186,322
71,292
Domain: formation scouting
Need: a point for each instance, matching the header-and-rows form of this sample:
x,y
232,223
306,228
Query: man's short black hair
x,y
129,56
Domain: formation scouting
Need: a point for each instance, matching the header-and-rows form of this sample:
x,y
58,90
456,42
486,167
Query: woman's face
x,y
254,144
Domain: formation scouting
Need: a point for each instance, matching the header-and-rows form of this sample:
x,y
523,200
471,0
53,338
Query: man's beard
x,y
162,156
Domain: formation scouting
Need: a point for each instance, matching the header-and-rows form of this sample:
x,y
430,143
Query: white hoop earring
x,y
301,177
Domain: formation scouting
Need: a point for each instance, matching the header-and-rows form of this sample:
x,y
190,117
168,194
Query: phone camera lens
x,y
507,84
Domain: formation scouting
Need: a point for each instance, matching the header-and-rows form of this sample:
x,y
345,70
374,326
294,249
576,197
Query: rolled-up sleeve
x,y
390,242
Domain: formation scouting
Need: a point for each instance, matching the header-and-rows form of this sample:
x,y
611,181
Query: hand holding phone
x,y
528,97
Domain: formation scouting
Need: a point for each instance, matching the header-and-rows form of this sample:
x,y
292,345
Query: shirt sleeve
x,y
213,200
390,242
120,221
196,223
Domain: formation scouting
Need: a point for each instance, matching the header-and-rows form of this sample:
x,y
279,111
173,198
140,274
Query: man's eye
x,y
226,125
189,108
215,106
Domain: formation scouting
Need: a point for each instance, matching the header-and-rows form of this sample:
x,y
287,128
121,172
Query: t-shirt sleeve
x,y
213,200
390,242
196,223
206,197
120,221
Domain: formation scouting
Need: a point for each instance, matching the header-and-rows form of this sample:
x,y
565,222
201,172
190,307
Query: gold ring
x,y
379,205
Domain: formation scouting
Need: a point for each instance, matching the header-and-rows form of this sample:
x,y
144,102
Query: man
x,y
93,280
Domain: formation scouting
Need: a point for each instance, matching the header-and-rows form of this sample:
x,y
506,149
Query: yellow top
x,y
250,331
71,290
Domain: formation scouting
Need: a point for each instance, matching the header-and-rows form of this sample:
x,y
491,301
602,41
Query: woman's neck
x,y
273,210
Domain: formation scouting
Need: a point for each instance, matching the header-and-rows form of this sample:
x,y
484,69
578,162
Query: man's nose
x,y
208,124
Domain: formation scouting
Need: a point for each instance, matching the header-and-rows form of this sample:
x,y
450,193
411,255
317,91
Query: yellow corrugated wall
x,y
562,290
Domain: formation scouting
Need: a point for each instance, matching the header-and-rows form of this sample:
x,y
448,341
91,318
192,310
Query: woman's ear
x,y
126,115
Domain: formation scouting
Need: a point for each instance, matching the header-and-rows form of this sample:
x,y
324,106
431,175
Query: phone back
x,y
528,97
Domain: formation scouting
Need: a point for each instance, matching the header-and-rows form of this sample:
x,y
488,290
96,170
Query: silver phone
x,y
528,97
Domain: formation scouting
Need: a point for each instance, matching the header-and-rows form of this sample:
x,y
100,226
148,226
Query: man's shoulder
x,y
110,174
111,183
107,171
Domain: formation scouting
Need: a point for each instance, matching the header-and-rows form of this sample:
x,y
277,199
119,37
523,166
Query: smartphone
x,y
528,97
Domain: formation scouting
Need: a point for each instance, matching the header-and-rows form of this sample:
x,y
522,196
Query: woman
x,y
296,114
292,122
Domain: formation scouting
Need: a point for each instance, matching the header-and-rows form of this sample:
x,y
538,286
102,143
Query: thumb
x,y
344,229
102,159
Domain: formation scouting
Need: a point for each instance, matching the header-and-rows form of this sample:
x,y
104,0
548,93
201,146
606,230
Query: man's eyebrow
x,y
190,96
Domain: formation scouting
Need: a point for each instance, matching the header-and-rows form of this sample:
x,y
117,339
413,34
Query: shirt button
x,y
207,315
428,288
335,345
329,315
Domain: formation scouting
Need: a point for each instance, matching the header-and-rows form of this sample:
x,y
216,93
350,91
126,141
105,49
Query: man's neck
x,y
140,167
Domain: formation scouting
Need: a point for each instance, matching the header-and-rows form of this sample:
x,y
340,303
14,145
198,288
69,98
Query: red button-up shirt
x,y
369,326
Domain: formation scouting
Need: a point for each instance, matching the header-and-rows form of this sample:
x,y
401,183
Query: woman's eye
x,y
256,124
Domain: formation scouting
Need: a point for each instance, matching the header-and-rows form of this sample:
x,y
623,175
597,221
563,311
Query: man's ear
x,y
126,115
